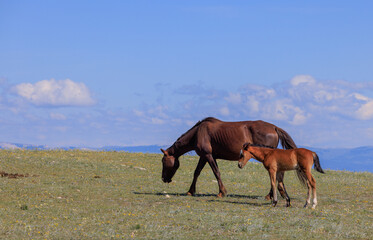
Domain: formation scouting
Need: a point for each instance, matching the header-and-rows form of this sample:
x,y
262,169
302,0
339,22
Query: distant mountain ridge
x,y
350,159
144,149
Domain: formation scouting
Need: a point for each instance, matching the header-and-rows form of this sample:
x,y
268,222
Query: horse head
x,y
170,164
245,155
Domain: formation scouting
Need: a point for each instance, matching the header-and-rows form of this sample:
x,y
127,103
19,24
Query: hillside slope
x,y
118,195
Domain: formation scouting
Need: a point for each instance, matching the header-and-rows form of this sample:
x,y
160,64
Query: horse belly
x,y
226,153
287,163
227,143
286,167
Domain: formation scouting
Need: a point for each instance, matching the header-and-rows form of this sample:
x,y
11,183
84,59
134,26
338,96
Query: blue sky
x,y
98,73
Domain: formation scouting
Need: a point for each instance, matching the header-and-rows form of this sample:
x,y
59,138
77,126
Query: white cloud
x,y
301,101
55,93
365,112
224,111
299,119
281,109
360,97
313,112
138,113
302,79
152,114
157,121
57,116
252,104
190,123
234,98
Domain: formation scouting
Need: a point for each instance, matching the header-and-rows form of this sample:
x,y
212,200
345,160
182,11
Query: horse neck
x,y
177,149
259,153
182,145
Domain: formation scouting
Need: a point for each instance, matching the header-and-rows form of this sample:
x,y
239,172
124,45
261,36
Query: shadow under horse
x,y
214,139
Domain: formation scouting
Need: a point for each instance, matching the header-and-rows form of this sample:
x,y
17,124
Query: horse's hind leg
x,y
200,166
312,182
308,201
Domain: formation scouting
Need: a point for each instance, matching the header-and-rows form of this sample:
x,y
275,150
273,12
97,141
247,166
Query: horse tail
x,y
302,177
316,163
286,141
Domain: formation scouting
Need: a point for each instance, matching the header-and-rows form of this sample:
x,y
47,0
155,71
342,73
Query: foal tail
x,y
316,163
302,177
286,141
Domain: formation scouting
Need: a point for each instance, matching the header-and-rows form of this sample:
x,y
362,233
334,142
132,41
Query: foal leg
x,y
281,189
308,201
312,182
281,184
200,166
272,176
214,166
269,195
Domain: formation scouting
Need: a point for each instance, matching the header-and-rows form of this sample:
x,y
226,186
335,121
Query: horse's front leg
x,y
281,188
272,176
280,177
200,166
214,166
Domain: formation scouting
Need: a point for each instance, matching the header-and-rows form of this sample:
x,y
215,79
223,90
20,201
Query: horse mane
x,y
208,119
178,142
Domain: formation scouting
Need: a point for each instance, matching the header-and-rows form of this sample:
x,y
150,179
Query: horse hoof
x,y
274,204
190,194
221,195
268,197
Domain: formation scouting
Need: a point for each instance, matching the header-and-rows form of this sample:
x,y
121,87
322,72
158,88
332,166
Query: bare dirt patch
x,y
15,175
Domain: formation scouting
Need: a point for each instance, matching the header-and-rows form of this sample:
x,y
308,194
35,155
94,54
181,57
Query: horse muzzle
x,y
240,165
166,180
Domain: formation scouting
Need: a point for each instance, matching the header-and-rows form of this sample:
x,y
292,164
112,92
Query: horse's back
x,y
303,153
296,153
225,139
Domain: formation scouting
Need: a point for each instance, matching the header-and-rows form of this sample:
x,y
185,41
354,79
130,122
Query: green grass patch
x,y
110,195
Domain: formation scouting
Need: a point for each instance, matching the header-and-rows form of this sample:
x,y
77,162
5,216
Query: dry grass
x,y
104,195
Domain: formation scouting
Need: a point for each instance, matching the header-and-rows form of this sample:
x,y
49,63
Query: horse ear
x,y
164,152
246,145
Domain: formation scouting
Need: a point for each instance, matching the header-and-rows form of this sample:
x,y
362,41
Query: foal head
x,y
245,155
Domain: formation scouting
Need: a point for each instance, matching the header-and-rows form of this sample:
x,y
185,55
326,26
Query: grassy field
x,y
110,195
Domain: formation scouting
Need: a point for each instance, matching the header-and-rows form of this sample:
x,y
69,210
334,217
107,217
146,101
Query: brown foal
x,y
278,160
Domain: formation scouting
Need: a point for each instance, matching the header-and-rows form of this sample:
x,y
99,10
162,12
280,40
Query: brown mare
x,y
279,160
213,139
